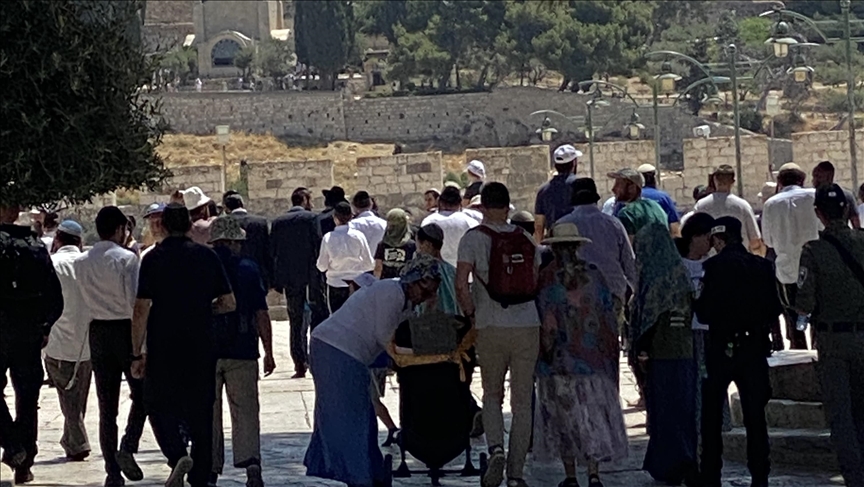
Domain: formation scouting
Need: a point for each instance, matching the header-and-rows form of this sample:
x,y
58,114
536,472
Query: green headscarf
x,y
397,232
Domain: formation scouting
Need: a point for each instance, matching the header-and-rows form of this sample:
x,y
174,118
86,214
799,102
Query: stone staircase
x,y
797,428
276,303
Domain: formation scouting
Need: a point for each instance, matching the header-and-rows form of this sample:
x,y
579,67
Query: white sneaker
x,y
179,472
495,469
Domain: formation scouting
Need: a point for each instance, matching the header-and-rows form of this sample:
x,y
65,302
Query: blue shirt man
x,y
650,192
553,198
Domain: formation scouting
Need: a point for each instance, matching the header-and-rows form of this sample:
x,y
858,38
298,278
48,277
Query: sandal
x,y
569,482
594,481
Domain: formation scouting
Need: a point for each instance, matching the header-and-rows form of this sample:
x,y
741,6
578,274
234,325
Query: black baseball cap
x,y
831,197
728,225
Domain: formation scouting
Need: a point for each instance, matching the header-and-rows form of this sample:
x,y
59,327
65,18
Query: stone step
x,y
784,413
793,376
788,447
279,313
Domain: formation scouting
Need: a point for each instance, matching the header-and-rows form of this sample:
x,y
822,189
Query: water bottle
x,y
801,324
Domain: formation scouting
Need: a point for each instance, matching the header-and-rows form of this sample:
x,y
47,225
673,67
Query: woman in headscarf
x,y
578,416
663,343
396,248
344,443
694,246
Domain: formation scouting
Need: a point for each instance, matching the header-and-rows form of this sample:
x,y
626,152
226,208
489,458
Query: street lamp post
x,y
733,73
850,90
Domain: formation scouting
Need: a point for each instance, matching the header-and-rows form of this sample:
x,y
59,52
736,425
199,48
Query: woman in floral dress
x,y
578,413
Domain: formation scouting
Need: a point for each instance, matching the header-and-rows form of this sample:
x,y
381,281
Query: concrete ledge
x,y
793,376
784,413
810,447
279,313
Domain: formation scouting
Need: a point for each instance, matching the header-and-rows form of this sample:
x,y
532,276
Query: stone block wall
x,y
810,148
611,156
208,178
702,156
270,184
522,169
400,180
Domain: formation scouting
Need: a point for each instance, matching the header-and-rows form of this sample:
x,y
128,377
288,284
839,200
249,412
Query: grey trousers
x,y
841,366
516,350
240,380
73,402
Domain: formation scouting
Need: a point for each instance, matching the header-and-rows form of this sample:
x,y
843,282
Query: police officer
x,y
31,300
836,262
738,302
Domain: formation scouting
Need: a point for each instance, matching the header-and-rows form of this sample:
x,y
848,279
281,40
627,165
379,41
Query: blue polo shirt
x,y
665,202
553,198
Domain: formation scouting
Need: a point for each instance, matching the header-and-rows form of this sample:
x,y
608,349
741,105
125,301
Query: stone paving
x,y
286,422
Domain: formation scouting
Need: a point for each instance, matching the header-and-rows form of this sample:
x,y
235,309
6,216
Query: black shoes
x,y
392,438
129,466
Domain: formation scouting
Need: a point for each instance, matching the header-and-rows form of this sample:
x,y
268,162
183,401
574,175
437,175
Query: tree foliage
x,y
324,36
272,58
180,62
73,124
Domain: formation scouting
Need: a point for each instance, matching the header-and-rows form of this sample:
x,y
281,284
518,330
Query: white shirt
x,y
861,210
788,222
453,224
108,278
371,226
474,214
609,206
365,324
68,339
726,204
344,255
696,272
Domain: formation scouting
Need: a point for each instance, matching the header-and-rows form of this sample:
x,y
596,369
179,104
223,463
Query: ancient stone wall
x,y
270,184
611,156
208,178
810,148
702,156
399,181
522,169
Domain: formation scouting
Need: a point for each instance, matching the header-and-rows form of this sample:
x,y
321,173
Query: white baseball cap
x,y
566,154
646,168
477,168
194,197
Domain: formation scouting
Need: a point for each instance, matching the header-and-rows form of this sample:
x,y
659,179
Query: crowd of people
x,y
694,301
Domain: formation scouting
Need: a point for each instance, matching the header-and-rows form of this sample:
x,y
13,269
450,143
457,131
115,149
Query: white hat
x,y
194,197
646,168
477,168
790,165
769,189
566,154
475,201
565,233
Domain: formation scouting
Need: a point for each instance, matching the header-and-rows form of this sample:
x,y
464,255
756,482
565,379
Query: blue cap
x,y
153,209
71,227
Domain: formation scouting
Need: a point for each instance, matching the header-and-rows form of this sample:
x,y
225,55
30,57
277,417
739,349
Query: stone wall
x,y
270,184
522,169
702,156
611,156
810,148
400,180
208,178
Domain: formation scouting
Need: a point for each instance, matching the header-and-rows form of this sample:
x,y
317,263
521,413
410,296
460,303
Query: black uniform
x,y
739,302
31,300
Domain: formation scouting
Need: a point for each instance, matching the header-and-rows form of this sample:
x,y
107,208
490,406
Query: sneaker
x,y
78,457
22,476
129,466
495,470
115,481
477,425
516,483
253,476
594,481
178,473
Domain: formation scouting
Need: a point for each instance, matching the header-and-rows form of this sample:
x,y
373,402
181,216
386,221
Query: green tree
x,y
523,22
380,17
73,123
324,37
272,58
180,62
244,59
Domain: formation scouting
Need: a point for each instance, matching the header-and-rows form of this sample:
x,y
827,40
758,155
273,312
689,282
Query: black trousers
x,y
197,417
337,297
111,356
20,355
748,368
296,299
797,339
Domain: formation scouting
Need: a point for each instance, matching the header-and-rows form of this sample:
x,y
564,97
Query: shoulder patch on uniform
x,y
802,276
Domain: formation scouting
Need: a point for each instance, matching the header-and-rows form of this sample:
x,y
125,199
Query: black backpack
x,y
24,279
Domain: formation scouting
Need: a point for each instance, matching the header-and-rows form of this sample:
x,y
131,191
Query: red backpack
x,y
512,275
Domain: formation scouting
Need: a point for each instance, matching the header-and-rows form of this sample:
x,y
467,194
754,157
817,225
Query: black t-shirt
x,y
394,258
181,278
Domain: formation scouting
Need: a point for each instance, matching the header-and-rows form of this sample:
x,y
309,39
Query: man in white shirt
x,y
108,279
722,203
453,223
344,254
365,221
788,222
67,355
508,339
